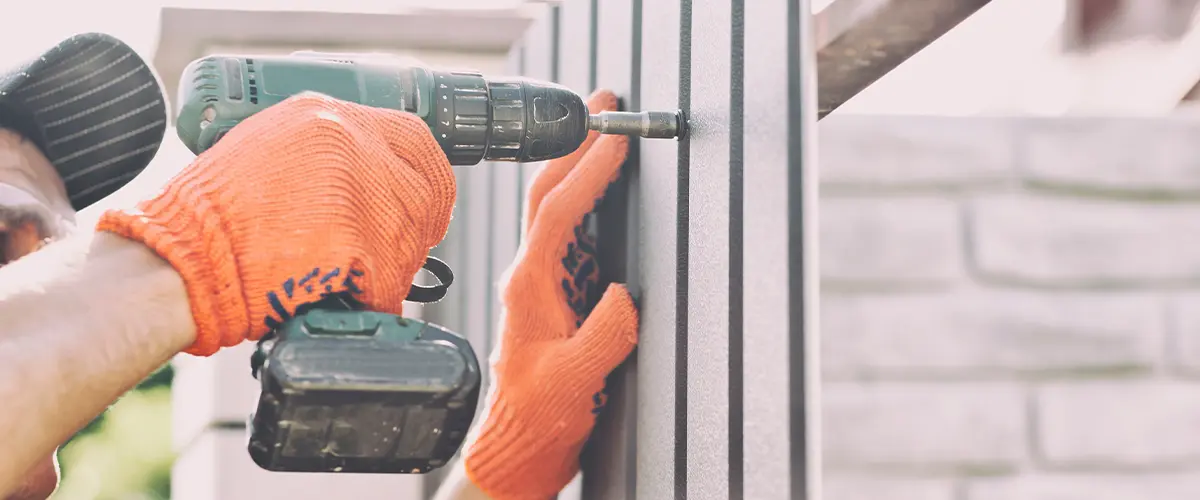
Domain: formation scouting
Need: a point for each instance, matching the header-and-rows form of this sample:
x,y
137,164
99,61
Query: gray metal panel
x,y
708,255
505,229
538,62
449,311
539,40
765,225
574,45
610,459
803,275
473,275
658,192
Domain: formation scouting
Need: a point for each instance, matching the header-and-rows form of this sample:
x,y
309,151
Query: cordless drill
x,y
473,118
349,390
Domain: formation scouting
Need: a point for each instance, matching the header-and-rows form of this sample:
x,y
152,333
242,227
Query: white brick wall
x,y
890,242
1010,308
923,426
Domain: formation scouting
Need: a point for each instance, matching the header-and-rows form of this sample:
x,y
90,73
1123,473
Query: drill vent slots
x,y
253,79
206,74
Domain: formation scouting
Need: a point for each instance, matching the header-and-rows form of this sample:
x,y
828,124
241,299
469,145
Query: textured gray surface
x,y
731,436
474,272
708,255
574,45
504,229
537,62
765,230
450,311
657,302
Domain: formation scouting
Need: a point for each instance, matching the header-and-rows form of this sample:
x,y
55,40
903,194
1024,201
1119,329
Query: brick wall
x,y
1010,308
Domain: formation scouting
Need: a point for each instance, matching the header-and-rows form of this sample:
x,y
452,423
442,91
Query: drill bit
x,y
648,124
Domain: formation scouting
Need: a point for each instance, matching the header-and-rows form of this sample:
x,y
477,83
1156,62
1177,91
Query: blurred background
x,y
1010,240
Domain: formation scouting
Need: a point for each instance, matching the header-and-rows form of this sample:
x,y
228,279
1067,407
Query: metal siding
x,y
705,243
505,229
657,271
572,63
574,45
708,255
610,461
451,311
803,275
473,275
765,224
537,63
573,67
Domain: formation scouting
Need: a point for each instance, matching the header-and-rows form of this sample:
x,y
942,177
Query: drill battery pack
x,y
361,392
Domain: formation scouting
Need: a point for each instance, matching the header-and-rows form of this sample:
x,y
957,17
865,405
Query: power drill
x,y
473,118
349,390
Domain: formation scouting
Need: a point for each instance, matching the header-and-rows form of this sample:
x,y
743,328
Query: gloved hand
x,y
553,355
310,197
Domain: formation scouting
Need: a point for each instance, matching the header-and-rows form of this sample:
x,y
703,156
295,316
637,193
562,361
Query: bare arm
x,y
457,486
81,322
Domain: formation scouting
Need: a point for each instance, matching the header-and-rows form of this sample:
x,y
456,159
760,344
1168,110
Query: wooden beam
x,y
876,37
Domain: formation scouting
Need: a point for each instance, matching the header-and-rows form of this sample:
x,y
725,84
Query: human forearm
x,y
81,322
457,486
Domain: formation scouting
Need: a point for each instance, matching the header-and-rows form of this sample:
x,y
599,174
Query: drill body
x,y
473,118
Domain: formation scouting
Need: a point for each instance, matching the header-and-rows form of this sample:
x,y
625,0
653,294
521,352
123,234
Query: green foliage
x,y
125,453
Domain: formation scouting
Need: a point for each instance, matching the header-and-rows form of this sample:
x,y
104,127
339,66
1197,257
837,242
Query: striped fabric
x,y
94,107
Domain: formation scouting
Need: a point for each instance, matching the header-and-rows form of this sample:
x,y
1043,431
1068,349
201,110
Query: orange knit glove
x,y
553,356
310,197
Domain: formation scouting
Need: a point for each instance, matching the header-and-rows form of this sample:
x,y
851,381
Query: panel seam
x,y
681,251
522,69
797,387
490,289
736,209
635,104
555,31
593,38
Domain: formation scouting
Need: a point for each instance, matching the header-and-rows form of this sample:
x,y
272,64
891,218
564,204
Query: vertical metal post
x,y
661,454
714,234
609,461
